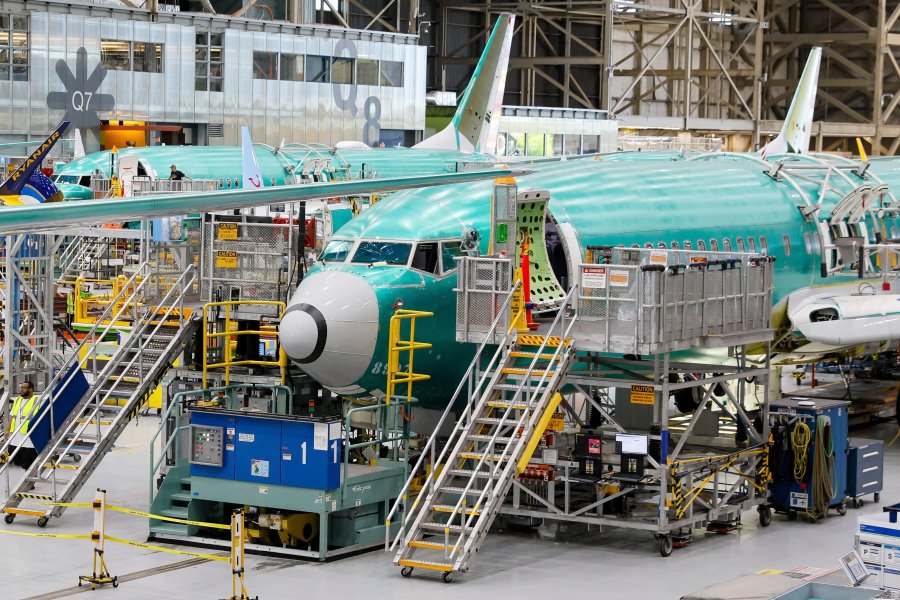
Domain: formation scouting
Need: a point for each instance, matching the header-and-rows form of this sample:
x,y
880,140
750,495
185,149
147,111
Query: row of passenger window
x,y
724,245
327,69
436,258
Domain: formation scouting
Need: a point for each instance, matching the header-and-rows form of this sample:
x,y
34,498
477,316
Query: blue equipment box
x,y
786,493
274,450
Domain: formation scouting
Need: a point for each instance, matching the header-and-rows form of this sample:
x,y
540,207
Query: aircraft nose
x,y
330,328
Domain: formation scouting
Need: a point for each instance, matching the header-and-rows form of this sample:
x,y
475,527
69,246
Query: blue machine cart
x,y
797,482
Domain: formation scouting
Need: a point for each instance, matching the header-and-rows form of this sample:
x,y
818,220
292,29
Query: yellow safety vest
x,y
31,406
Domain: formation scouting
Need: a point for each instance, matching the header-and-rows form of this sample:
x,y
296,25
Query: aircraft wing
x,y
44,217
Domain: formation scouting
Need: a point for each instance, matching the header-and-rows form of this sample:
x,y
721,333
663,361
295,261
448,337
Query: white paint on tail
x,y
250,176
794,135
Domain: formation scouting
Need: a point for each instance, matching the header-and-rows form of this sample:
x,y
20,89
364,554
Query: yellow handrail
x,y
228,334
396,346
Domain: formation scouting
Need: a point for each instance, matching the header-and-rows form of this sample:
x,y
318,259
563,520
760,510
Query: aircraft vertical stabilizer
x,y
474,126
250,175
794,135
26,185
78,145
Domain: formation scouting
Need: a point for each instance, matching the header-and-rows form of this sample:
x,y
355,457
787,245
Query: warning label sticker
x,y
593,277
259,468
642,394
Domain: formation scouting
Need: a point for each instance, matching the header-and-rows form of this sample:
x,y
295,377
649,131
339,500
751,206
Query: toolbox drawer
x,y
865,467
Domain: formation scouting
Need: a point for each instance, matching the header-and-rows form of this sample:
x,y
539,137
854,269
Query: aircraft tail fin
x,y
250,175
78,149
15,183
794,135
474,126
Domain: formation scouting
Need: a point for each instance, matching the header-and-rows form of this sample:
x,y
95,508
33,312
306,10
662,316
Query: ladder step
x,y
478,455
520,371
470,473
446,508
449,489
512,387
58,466
440,527
425,564
521,354
505,404
530,339
24,511
491,421
427,545
487,438
30,496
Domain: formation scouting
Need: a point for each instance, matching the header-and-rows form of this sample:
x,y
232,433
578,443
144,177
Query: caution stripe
x,y
137,513
218,557
64,536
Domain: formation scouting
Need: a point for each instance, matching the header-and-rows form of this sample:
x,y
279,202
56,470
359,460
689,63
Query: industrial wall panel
x,y
295,111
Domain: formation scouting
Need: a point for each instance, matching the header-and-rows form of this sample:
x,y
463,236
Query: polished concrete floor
x,y
611,564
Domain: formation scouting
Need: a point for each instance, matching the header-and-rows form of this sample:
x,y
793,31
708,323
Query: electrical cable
x,y
823,486
800,438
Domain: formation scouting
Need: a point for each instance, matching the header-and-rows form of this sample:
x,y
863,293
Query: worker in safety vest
x,y
23,410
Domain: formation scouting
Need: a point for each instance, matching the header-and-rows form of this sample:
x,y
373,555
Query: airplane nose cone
x,y
330,328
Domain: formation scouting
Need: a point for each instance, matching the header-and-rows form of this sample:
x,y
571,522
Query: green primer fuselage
x,y
639,200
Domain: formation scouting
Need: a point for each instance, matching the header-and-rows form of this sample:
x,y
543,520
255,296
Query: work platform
x,y
565,417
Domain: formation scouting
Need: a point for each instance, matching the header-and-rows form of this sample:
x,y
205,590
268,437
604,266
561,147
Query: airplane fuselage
x,y
727,203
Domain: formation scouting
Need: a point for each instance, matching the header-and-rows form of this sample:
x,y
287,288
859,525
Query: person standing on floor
x,y
24,408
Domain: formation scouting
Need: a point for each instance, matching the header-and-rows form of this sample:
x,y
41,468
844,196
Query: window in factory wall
x,y
208,62
147,58
367,71
265,65
115,54
391,73
15,47
291,67
318,69
342,70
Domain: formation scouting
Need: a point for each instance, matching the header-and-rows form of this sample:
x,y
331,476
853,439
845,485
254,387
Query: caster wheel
x,y
77,458
665,546
42,522
447,576
877,497
406,571
842,509
858,503
765,516
9,519
115,582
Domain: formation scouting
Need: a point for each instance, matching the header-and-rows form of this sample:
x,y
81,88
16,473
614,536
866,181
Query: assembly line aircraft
x,y
470,138
26,184
400,252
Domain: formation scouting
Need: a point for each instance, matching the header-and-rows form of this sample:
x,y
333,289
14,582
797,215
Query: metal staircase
x,y
510,403
159,330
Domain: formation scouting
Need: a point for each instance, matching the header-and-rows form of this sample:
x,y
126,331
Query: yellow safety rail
x,y
85,301
229,334
396,345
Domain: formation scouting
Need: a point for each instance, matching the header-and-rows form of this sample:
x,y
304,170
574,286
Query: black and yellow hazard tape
x,y
219,557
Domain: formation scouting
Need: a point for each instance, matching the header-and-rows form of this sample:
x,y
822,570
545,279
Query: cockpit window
x,y
392,253
336,251
67,179
425,258
449,250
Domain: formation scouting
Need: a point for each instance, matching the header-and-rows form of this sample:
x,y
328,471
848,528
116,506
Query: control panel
x,y
206,445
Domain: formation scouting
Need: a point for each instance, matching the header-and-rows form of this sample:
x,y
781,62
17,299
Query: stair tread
x,y
448,508
486,438
450,489
172,528
470,473
175,511
425,564
442,526
181,497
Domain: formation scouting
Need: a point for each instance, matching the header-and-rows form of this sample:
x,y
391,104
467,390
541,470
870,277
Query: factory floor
x,y
612,564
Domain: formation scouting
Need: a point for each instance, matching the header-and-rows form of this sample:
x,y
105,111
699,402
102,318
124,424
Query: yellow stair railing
x,y
230,335
396,346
